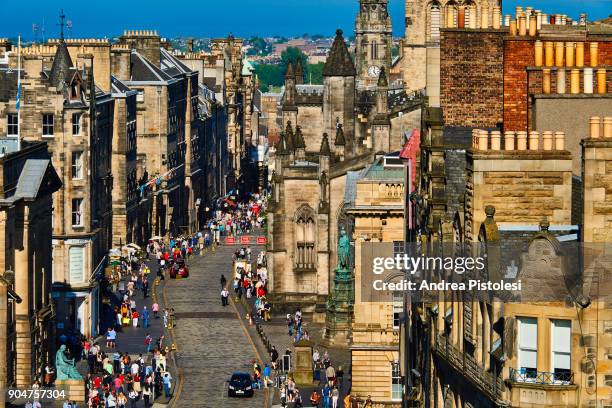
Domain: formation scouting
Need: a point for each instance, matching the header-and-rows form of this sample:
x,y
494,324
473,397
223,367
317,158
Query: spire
x,y
282,148
299,71
290,72
339,62
382,78
340,140
62,17
290,140
61,65
325,150
299,138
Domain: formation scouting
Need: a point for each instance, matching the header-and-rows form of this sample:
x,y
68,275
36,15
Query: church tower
x,y
373,41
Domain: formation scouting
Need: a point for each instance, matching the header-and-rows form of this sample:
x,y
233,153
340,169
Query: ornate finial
x,y
339,32
490,211
62,17
544,224
325,150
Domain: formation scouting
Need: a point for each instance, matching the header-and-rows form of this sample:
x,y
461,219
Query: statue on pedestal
x,y
65,367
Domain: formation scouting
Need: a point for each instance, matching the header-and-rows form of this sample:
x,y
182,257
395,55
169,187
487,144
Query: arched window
x,y
433,21
305,253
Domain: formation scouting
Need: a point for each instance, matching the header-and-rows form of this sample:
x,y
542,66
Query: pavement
x,y
212,341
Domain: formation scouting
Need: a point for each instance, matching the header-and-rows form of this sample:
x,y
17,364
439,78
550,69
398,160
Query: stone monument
x,y
339,307
68,378
303,370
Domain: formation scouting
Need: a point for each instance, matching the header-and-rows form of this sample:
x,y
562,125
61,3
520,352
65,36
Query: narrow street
x,y
212,343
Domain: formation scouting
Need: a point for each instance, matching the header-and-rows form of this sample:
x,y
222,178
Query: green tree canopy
x,y
293,54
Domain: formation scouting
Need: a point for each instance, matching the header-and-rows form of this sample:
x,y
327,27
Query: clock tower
x,y
373,41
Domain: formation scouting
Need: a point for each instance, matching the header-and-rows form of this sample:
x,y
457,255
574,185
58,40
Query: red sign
x,y
245,240
261,240
230,240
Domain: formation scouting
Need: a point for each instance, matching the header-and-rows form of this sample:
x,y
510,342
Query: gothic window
x,y
433,17
374,50
305,253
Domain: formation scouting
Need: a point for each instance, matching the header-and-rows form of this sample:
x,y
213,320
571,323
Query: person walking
x,y
146,395
223,281
145,317
148,341
326,396
167,379
145,286
335,395
135,316
224,297
155,309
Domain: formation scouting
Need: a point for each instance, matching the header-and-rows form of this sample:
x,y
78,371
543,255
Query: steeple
x,y
299,72
60,69
339,62
290,91
325,150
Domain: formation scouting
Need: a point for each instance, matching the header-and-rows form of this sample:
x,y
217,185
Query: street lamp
x,y
9,276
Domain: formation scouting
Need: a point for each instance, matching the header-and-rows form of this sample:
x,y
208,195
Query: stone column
x,y
547,140
534,140
539,51
495,140
546,80
549,52
588,80
559,53
594,125
22,310
579,54
575,81
559,140
601,81
508,140
569,54
607,127
521,140
561,80
594,60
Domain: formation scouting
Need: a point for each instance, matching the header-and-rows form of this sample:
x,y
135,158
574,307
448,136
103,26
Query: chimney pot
x,y
549,52
559,53
569,54
588,80
539,49
521,140
509,140
483,140
534,140
594,125
513,30
533,25
496,17
484,16
561,80
575,81
547,140
601,81
607,127
546,80
580,54
475,134
507,20
594,54
495,140
523,26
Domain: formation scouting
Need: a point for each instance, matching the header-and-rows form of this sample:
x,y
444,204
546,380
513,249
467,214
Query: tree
x,y
292,54
269,75
315,73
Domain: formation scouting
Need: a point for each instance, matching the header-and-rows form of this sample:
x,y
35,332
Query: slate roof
x,y
211,83
144,70
31,177
62,66
339,61
171,65
118,86
350,193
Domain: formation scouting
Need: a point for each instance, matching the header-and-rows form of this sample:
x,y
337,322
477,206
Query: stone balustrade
x,y
599,127
484,140
140,33
80,41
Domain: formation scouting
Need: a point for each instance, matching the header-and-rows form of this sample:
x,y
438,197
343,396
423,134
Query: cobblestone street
x,y
211,341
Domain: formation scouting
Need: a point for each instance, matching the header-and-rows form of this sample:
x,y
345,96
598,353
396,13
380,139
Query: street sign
x,y
245,240
230,240
261,240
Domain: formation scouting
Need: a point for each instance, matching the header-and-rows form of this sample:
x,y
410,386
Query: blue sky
x,y
219,17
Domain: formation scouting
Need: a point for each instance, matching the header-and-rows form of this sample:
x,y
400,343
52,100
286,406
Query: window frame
x,y
529,374
554,352
77,124
46,127
396,381
78,165
397,308
78,213
9,125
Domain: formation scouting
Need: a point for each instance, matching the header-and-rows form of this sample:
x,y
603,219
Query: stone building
x,y
27,314
373,41
61,105
497,172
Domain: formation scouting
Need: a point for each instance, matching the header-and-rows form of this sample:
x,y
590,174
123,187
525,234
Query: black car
x,y
240,385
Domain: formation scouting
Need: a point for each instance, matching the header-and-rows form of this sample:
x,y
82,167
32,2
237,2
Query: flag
x,y
18,102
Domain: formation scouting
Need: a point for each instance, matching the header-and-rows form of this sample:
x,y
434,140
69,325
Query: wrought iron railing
x,y
541,377
464,363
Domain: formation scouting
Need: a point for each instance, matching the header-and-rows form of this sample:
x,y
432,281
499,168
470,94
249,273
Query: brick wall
x,y
519,53
471,74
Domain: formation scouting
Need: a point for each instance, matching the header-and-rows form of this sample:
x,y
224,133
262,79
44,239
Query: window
x,y
76,255
396,381
12,123
305,257
434,26
528,347
76,124
139,95
77,212
47,124
398,308
77,165
561,349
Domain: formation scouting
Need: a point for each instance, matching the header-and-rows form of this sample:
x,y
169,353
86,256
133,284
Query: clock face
x,y
374,71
